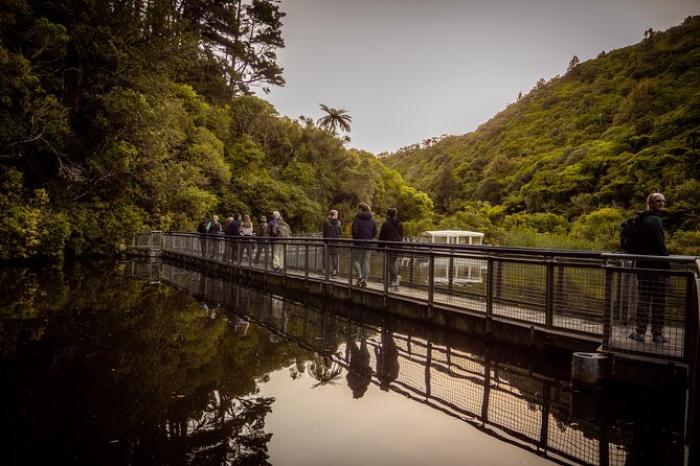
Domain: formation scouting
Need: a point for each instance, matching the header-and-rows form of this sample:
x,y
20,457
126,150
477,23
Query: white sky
x,y
407,70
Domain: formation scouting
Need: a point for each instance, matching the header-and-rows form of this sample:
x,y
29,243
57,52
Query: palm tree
x,y
334,118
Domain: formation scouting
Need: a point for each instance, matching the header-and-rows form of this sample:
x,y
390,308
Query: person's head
x,y
656,201
262,219
276,214
333,214
362,207
215,218
246,218
229,220
391,212
237,216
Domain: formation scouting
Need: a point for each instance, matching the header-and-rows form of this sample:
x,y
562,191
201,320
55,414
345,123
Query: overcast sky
x,y
407,70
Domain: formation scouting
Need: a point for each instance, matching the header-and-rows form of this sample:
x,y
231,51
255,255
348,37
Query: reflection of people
x,y
651,285
359,370
387,361
331,230
363,228
392,230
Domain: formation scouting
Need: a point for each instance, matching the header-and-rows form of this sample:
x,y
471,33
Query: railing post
x,y
326,262
450,273
306,264
607,312
431,281
489,290
386,274
350,258
549,292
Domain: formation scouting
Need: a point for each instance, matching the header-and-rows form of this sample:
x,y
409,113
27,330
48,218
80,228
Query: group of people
x,y
242,226
364,232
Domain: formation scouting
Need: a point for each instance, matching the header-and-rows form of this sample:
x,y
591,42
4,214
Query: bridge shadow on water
x,y
520,396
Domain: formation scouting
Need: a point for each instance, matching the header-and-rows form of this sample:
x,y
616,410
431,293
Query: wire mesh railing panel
x,y
510,410
648,309
461,281
519,290
412,374
572,442
464,394
413,274
578,298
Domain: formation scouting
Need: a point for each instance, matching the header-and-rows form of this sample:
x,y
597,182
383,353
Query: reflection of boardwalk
x,y
515,405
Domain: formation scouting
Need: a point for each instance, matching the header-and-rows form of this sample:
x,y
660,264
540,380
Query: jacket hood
x,y
365,215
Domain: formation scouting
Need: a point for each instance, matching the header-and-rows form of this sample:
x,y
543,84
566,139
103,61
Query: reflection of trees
x,y
135,371
323,369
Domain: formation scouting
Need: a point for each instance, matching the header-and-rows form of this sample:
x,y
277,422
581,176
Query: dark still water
x,y
149,363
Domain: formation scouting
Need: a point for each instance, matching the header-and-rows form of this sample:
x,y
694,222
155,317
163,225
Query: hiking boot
x,y
361,282
398,281
637,336
364,283
659,339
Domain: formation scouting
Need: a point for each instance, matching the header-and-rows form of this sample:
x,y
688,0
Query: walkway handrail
x,y
585,294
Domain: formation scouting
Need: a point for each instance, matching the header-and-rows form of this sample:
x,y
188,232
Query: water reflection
x,y
98,368
535,410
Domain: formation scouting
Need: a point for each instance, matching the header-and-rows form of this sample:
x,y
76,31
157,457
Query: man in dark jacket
x,y
203,229
392,230
363,228
651,284
233,231
332,230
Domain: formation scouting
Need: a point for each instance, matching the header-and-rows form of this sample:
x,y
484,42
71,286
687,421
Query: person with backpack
x,y
392,230
645,236
332,230
363,228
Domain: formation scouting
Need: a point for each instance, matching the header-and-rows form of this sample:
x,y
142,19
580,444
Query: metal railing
x,y
606,297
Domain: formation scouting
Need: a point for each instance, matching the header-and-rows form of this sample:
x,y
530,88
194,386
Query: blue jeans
x,y
361,260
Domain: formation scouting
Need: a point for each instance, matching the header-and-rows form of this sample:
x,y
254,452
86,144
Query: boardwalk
x,y
591,296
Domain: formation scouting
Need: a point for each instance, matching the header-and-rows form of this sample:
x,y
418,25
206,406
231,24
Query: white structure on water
x,y
465,269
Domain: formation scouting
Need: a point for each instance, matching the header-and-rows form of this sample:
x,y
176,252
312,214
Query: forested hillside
x,y
123,116
570,159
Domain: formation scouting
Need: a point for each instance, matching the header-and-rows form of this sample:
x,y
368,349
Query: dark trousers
x,y
203,245
393,259
651,289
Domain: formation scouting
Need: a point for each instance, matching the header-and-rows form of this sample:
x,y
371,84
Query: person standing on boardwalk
x,y
392,230
233,231
332,230
363,228
214,229
203,229
278,228
261,233
246,234
651,284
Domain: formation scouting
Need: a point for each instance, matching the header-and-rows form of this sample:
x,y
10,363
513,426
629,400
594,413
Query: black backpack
x,y
630,235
